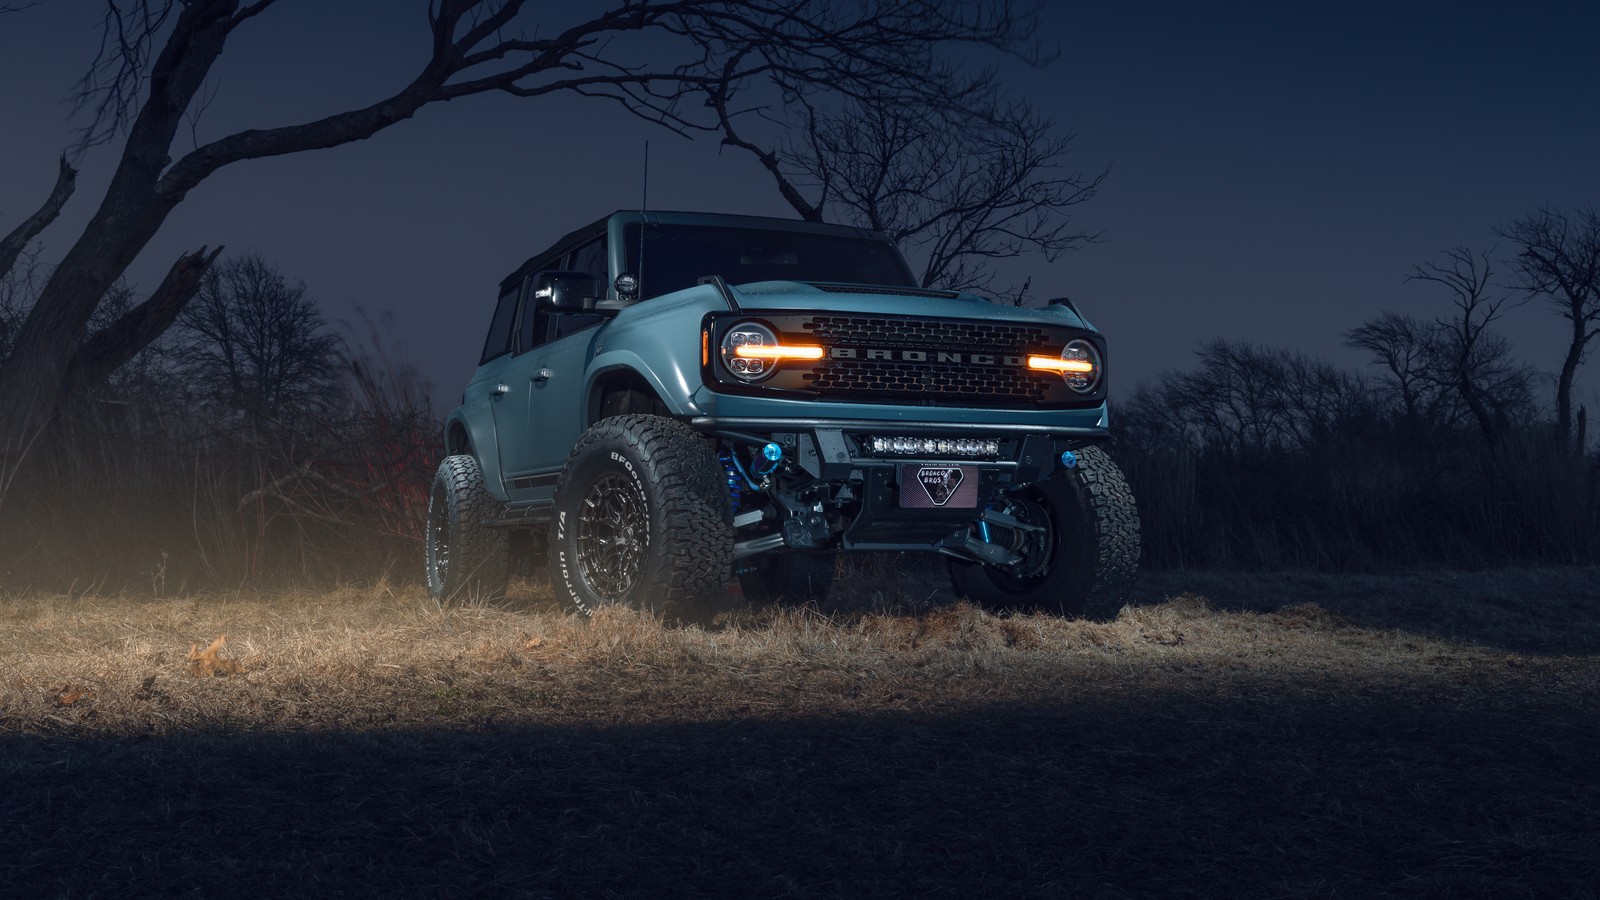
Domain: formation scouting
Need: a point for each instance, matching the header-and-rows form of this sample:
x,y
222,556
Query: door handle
x,y
543,375
500,390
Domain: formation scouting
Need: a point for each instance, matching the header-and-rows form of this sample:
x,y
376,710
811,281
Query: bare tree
x,y
955,177
1250,402
256,344
1476,361
156,55
1408,349
1560,261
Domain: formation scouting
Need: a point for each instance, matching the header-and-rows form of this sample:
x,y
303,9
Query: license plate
x,y
938,487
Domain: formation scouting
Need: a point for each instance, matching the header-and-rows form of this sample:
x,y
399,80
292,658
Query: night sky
x,y
1276,168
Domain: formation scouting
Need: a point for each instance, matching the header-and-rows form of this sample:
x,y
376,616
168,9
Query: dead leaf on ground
x,y
67,696
207,662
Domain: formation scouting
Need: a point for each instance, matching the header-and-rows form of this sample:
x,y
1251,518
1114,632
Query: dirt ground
x,y
1422,734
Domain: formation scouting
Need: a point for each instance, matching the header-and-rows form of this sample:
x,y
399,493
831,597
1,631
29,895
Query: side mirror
x,y
565,291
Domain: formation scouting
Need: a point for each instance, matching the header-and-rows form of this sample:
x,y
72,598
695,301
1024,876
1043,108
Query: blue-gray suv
x,y
667,401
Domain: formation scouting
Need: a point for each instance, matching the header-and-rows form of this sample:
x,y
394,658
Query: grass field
x,y
1412,735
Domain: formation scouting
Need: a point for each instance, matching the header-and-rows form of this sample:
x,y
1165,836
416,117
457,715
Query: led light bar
x,y
777,351
927,446
1057,364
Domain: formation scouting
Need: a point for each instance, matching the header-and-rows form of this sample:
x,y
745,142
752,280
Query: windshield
x,y
678,256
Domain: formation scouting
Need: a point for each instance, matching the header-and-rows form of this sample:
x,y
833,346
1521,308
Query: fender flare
x,y
675,387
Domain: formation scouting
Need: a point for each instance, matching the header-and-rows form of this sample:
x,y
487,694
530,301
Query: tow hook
x,y
805,528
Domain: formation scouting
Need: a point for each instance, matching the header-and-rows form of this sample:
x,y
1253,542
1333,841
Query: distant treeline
x,y
1264,458
1441,453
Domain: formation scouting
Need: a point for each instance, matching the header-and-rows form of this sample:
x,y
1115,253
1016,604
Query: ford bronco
x,y
667,401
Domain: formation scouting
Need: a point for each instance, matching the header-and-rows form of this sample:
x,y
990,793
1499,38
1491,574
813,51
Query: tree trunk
x,y
1569,374
1480,412
122,340
34,378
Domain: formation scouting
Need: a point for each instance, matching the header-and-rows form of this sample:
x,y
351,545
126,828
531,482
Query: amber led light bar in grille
x,y
777,351
1057,364
926,446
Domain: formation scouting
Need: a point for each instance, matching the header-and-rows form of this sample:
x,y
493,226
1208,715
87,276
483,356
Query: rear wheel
x,y
464,555
641,519
1079,545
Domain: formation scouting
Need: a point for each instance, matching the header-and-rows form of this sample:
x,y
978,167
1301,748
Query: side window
x,y
540,327
505,314
535,321
590,259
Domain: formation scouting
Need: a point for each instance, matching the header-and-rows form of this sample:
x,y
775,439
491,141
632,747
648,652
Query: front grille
x,y
945,377
948,382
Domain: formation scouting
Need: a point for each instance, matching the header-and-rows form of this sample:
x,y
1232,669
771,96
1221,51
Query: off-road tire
x,y
641,518
463,555
1094,557
791,578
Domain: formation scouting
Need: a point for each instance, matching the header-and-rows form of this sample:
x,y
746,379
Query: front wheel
x,y
1079,546
642,519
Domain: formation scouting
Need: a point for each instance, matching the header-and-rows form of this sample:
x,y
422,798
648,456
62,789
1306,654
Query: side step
x,y
521,518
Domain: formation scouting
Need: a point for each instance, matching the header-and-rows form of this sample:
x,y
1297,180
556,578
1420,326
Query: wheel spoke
x,y
611,533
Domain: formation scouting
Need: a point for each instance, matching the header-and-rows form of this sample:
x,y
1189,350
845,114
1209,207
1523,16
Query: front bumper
x,y
837,453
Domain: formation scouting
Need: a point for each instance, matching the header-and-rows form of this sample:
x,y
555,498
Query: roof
x,y
539,260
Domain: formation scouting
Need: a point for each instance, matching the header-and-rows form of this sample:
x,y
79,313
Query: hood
x,y
895,301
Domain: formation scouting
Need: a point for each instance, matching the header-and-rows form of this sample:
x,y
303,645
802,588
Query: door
x,y
545,385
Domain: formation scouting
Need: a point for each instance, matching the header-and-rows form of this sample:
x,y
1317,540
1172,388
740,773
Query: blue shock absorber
x,y
983,531
735,481
730,461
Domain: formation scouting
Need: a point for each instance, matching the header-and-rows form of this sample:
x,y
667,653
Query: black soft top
x,y
541,261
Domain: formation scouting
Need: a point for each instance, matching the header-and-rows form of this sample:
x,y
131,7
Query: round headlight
x,y
1082,351
748,368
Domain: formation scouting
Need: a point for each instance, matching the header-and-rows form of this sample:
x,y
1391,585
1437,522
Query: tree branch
x,y
18,239
119,342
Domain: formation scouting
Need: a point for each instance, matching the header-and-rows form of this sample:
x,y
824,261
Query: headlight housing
x,y
1079,365
749,369
751,352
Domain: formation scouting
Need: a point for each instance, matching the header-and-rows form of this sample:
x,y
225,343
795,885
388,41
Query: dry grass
x,y
1261,745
